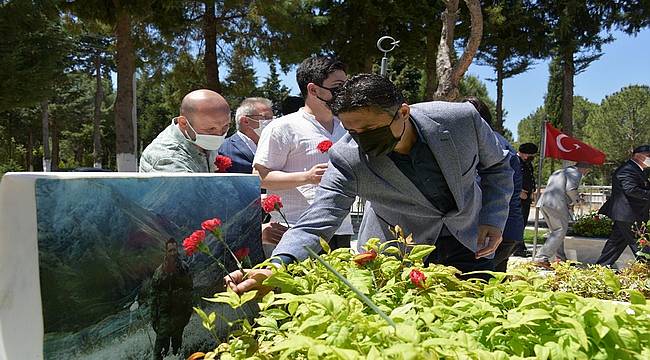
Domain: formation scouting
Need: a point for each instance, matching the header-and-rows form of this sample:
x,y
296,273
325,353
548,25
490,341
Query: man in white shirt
x,y
251,117
292,156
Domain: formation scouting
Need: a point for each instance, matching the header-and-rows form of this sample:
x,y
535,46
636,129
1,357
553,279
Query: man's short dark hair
x,y
366,91
315,70
170,241
481,107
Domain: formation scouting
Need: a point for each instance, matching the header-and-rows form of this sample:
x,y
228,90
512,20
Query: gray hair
x,y
248,107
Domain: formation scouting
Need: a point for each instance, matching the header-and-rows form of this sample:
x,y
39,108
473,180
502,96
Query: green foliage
x,y
241,82
34,51
554,91
621,122
272,88
514,316
600,282
592,225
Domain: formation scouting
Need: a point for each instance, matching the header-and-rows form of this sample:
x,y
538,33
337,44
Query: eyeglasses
x,y
261,117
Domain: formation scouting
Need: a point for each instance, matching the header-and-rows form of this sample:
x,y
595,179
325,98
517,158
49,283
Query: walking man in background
x,y
629,204
560,193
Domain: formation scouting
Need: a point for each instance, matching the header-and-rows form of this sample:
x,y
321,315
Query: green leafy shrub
x,y
436,315
592,225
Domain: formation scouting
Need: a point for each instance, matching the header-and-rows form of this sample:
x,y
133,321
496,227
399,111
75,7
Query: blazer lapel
x,y
240,145
444,150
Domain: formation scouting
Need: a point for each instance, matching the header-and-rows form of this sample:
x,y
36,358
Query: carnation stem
x,y
225,244
347,283
284,218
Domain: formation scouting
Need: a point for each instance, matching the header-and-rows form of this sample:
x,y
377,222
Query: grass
x,y
530,234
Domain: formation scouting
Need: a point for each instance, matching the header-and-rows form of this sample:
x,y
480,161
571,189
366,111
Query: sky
x,y
625,61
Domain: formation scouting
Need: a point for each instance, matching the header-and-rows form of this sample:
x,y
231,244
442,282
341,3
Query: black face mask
x,y
379,141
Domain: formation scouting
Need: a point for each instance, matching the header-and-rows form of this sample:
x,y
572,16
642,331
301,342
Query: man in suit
x,y
416,165
629,204
560,193
251,117
526,155
513,232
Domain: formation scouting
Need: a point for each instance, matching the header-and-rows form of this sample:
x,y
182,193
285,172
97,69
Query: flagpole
x,y
542,147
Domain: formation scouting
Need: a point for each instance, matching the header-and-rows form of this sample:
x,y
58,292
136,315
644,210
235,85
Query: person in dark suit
x,y
629,204
513,233
526,155
251,118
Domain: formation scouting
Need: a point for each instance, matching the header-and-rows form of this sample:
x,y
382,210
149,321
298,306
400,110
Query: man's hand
x,y
489,238
252,281
523,195
314,174
272,232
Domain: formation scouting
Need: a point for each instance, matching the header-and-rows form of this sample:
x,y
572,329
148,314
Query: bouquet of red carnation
x,y
273,203
223,163
195,242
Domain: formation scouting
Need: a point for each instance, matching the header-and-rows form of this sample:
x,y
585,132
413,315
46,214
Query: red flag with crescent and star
x,y
562,146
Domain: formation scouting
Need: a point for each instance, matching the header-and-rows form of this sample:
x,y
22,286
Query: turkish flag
x,y
562,146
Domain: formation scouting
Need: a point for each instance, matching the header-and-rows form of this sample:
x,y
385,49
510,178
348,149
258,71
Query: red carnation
x,y
365,257
211,225
417,278
643,242
271,203
192,242
242,253
223,163
324,146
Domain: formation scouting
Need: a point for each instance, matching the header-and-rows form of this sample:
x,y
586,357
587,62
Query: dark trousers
x,y
505,249
450,252
162,344
340,241
520,246
622,236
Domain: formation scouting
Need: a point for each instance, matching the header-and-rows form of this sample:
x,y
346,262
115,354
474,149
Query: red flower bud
x,y
211,225
223,163
643,242
271,203
191,243
324,146
242,253
365,257
417,278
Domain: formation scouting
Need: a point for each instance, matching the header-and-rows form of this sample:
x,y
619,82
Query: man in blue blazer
x,y
251,118
416,165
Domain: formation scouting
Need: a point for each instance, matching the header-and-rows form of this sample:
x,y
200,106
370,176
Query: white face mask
x,y
646,162
204,141
263,124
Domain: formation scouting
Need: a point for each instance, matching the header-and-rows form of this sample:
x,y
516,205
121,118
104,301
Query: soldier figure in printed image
x,y
171,301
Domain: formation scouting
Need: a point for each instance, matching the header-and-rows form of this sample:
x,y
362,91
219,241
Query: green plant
x,y
593,225
436,315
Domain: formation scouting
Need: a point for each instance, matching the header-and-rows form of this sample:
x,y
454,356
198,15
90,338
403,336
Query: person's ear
x,y
311,89
404,110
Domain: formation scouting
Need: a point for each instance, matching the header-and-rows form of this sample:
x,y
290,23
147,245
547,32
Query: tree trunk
x,y
29,151
430,65
210,55
449,75
498,124
47,157
568,69
99,96
125,59
55,144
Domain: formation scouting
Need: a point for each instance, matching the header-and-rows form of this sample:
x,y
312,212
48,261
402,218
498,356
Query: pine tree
x,y
272,88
